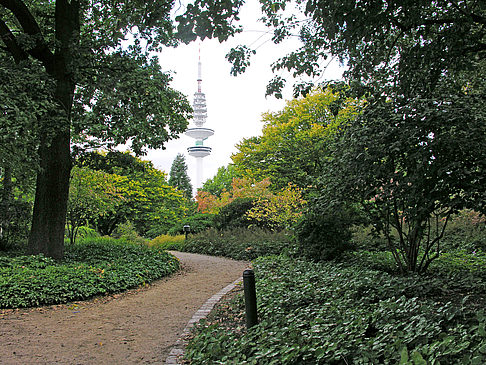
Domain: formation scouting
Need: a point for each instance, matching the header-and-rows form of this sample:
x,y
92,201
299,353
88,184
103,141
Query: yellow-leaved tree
x,y
295,141
281,210
240,188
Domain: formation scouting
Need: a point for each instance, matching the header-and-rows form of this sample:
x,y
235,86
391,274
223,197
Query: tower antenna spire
x,y
199,133
199,73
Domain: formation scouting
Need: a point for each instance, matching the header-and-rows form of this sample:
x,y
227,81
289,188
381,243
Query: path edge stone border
x,y
178,349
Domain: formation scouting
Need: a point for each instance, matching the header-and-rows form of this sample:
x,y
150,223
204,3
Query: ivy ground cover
x,y
91,267
337,313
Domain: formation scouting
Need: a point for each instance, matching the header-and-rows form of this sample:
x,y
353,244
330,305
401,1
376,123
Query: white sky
x,y
235,104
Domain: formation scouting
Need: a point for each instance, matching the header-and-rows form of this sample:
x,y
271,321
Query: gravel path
x,y
139,326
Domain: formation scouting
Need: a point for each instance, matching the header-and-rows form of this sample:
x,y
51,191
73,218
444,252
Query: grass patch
x,y
349,313
168,242
91,267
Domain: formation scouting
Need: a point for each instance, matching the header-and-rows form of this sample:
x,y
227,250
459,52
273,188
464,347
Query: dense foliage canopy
x,y
295,141
98,88
222,181
92,194
416,152
411,166
397,46
148,201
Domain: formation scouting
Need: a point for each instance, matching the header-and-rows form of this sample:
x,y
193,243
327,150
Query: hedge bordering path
x,y
139,326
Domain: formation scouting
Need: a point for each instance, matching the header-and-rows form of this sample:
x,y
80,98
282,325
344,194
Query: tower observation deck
x,y
199,133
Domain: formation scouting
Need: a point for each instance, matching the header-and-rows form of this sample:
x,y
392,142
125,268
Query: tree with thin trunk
x,y
92,194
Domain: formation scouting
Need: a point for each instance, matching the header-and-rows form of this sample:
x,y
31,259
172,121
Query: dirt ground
x,y
139,326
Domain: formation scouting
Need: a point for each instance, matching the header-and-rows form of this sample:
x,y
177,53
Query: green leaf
x,y
404,356
418,359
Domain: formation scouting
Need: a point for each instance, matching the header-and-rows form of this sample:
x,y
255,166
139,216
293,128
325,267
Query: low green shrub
x,y
338,313
374,260
198,223
460,260
465,231
364,238
233,215
324,235
91,267
128,232
87,232
455,262
240,243
167,242
80,232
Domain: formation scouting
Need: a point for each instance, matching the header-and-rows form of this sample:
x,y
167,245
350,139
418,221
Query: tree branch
x,y
426,259
30,27
440,21
11,42
475,17
64,21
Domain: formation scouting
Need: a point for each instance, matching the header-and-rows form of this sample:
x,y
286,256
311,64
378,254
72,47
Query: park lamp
x,y
187,229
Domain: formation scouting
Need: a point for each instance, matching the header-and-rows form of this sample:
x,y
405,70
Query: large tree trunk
x,y
6,200
51,196
52,189
52,186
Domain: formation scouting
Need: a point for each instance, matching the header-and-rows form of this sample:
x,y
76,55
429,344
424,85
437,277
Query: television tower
x,y
199,133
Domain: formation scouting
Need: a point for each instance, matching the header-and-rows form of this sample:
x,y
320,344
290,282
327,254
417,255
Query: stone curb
x,y
180,345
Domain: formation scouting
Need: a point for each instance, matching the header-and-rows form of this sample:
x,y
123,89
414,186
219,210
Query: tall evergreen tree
x,y
178,177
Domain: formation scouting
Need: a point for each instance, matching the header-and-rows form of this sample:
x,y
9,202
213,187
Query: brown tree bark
x,y
6,199
52,186
51,196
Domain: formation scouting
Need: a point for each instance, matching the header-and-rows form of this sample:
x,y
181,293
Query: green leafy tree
x,y
411,167
149,202
416,154
178,177
98,87
23,101
280,211
114,162
122,164
92,194
240,189
294,142
222,181
160,206
404,46
252,203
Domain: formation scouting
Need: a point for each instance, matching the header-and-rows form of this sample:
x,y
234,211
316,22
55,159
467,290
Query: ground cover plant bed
x,y
91,267
240,243
347,313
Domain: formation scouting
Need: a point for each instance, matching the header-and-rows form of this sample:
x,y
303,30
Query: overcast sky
x,y
235,104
